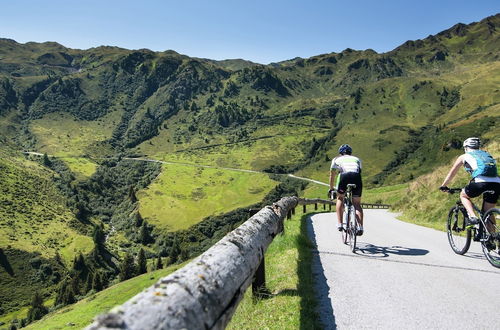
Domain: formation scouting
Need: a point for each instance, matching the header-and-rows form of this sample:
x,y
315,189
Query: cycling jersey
x,y
349,168
346,163
471,165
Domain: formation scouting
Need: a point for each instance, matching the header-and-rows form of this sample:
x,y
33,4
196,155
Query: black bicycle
x,y
487,232
349,220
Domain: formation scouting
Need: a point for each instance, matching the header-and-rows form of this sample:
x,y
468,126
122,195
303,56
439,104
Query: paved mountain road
x,y
403,276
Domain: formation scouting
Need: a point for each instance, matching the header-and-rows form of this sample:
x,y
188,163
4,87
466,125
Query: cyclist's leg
x,y
340,208
341,186
356,201
356,197
467,203
488,206
490,199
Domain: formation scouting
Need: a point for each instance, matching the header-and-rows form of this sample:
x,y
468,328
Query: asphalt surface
x,y
402,276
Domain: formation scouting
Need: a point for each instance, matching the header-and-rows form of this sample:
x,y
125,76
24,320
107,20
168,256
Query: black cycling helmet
x,y
472,142
345,149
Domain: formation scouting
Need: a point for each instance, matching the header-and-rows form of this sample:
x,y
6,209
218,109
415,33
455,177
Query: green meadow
x,y
183,195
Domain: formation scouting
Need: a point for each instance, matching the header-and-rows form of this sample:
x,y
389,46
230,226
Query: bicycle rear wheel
x,y
353,226
345,224
458,235
491,242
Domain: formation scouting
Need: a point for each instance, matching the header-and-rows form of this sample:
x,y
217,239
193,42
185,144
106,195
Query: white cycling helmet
x,y
472,142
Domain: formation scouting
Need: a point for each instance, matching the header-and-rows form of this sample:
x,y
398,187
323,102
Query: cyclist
x,y
349,171
482,167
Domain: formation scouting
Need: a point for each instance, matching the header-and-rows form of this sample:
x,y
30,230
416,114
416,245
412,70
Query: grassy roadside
x,y
291,304
81,314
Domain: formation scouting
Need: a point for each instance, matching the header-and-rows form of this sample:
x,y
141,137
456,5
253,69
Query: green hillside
x,y
39,236
404,112
82,313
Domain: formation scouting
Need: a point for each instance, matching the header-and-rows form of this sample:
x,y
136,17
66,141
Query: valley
x,y
222,137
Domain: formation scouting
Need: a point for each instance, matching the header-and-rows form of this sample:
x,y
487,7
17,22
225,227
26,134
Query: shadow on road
x,y
474,255
375,251
324,307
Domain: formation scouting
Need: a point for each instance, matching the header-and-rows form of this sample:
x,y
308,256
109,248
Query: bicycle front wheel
x,y
491,242
458,235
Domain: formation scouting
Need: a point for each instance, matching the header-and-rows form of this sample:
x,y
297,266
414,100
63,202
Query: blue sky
x,y
256,30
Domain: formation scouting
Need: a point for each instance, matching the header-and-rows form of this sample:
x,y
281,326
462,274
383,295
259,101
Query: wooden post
x,y
324,206
289,215
329,207
304,208
315,206
293,211
259,280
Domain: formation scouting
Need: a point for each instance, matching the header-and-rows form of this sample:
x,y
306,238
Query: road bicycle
x,y
487,232
349,220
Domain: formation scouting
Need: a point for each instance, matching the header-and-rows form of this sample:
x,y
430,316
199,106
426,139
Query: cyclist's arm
x,y
332,179
453,171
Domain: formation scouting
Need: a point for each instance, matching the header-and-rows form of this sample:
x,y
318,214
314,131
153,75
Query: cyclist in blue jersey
x,y
482,167
349,171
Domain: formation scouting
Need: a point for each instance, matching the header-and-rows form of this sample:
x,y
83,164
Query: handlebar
x,y
453,190
332,194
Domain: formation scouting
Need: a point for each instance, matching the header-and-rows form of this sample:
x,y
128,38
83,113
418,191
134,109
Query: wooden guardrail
x,y
205,293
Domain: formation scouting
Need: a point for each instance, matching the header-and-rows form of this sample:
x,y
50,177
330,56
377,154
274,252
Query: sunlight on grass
x,y
82,167
61,134
288,274
182,195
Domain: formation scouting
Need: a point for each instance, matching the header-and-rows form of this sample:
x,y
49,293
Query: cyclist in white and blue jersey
x,y
482,167
349,171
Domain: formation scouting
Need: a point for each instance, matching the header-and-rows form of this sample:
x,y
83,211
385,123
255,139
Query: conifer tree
x,y
89,282
61,289
175,250
46,160
79,263
69,296
98,236
37,309
58,259
141,262
159,263
138,219
97,282
127,267
131,194
75,284
144,233
95,253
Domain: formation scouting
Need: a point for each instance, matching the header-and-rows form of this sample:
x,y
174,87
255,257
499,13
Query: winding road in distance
x,y
194,165
402,276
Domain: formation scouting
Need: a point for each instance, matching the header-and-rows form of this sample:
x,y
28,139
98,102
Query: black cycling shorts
x,y
350,177
474,189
